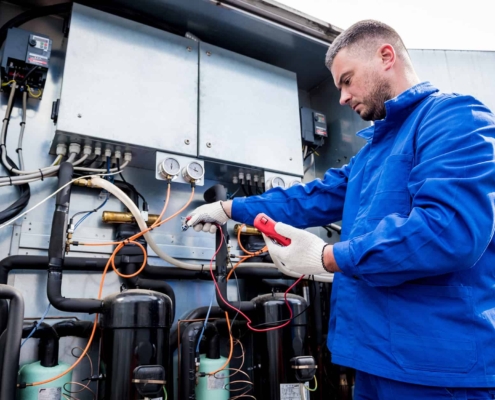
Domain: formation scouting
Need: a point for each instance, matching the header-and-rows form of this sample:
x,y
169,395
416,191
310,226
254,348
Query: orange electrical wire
x,y
251,253
231,348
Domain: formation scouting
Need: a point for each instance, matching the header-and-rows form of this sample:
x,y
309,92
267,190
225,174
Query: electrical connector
x,y
108,152
128,156
256,178
97,150
118,154
248,177
235,180
87,150
74,148
61,149
145,215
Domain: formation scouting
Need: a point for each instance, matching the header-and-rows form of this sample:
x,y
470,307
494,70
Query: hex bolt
x,y
208,144
189,49
187,141
79,115
208,53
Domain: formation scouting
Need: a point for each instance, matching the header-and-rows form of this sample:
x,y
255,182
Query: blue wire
x,y
91,212
204,324
37,325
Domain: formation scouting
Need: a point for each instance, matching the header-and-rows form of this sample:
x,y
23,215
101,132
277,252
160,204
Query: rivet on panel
x,y
79,115
189,49
208,144
187,141
208,53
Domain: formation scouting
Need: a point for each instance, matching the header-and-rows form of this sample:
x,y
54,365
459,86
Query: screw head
x,y
79,115
187,141
189,49
290,159
208,53
208,144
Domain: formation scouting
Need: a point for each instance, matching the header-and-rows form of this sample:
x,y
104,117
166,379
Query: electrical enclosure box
x,y
125,83
249,112
313,126
25,58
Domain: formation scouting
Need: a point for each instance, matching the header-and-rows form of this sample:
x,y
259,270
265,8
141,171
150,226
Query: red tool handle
x,y
265,224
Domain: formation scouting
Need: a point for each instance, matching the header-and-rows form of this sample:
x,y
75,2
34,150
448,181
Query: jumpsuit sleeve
x,y
452,189
316,203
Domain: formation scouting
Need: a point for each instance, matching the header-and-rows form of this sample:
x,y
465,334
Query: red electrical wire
x,y
239,311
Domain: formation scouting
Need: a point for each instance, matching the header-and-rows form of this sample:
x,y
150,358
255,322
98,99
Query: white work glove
x,y
203,217
304,255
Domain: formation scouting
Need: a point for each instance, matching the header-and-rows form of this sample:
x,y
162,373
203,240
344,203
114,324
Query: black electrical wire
x,y
256,188
87,163
244,190
132,188
249,188
311,151
24,191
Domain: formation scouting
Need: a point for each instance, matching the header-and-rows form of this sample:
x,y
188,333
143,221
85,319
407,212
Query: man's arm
x,y
452,217
316,203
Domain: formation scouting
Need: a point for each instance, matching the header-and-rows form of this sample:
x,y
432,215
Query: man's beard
x,y
374,104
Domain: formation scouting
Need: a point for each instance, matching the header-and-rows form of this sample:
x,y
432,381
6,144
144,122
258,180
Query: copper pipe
x,y
117,217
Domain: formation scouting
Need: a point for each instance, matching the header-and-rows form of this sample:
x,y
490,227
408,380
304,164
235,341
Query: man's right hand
x,y
205,217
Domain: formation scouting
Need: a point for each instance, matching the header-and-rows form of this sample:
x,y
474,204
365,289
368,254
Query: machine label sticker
x,y
216,382
37,59
292,391
50,394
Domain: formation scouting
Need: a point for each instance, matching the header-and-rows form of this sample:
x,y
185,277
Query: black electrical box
x,y
314,127
25,60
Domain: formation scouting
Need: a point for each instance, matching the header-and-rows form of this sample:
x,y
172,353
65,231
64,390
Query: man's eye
x,y
347,81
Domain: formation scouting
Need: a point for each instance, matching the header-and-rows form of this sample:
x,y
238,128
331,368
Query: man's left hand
x,y
306,254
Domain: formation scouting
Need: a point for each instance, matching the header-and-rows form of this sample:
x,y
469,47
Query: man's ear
x,y
386,52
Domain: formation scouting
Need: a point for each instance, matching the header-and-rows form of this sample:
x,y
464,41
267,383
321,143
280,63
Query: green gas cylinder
x,y
35,372
213,387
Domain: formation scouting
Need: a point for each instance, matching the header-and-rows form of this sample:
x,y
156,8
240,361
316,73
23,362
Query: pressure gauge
x,y
193,172
294,183
169,168
276,181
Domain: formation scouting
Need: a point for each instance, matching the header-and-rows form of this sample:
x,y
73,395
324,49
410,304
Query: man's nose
x,y
345,97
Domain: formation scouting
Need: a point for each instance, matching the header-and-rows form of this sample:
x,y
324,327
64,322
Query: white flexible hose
x,y
111,188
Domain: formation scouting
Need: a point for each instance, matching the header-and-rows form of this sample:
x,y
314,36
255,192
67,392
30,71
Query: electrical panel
x,y
313,127
249,112
129,85
25,59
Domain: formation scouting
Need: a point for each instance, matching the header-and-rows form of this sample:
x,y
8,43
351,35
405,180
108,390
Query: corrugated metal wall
x,y
466,72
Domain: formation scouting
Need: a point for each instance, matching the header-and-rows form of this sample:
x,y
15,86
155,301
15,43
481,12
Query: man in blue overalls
x,y
413,299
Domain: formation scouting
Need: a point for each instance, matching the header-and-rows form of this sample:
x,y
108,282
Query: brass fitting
x,y
246,230
118,217
84,182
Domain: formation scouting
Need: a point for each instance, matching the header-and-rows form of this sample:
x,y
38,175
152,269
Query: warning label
x,y
50,394
216,382
293,391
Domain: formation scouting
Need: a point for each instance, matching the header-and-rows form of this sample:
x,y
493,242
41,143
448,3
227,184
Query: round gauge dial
x,y
194,171
276,181
170,167
294,183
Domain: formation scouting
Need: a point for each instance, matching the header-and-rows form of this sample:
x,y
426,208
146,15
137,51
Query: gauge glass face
x,y
278,182
294,183
171,166
195,170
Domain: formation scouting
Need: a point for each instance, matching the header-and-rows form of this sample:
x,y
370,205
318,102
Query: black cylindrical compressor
x,y
135,344
275,348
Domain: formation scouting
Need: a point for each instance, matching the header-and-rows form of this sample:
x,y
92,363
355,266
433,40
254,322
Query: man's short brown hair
x,y
366,35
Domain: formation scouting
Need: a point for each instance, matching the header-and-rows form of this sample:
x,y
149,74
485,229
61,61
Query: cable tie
x,y
10,179
5,119
22,385
41,173
17,150
22,123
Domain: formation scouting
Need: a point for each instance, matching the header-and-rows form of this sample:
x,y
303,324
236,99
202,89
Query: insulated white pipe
x,y
111,188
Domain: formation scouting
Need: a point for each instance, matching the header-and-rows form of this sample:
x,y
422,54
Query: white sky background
x,y
422,24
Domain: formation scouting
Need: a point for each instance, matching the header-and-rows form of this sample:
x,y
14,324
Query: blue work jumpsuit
x,y
415,302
